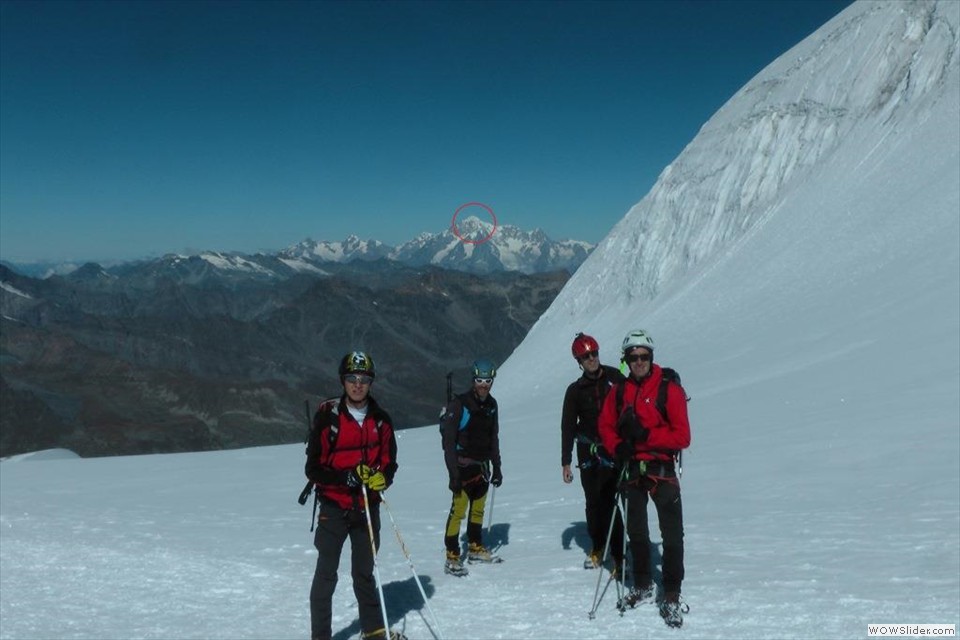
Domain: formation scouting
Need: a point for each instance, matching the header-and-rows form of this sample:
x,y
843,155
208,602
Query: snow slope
x,y
815,321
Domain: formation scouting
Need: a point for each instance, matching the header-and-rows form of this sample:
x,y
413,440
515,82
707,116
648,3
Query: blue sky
x,y
131,129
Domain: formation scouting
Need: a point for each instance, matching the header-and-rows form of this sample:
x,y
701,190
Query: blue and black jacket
x,y
470,431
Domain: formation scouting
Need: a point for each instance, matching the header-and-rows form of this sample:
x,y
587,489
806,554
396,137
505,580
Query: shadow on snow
x,y
402,597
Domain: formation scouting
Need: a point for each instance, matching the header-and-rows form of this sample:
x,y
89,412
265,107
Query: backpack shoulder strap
x,y
327,418
334,423
669,376
461,403
662,398
379,415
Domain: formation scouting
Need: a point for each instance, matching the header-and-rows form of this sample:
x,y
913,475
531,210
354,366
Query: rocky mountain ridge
x,y
187,355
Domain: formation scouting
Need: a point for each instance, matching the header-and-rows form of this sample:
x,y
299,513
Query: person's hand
x,y
567,474
372,478
630,428
455,484
497,478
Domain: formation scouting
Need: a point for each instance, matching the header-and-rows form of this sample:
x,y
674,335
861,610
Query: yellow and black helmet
x,y
357,362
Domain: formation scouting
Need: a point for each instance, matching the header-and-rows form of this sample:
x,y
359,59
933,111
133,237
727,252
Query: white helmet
x,y
637,338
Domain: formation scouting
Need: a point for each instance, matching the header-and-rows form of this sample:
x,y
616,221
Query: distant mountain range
x,y
508,248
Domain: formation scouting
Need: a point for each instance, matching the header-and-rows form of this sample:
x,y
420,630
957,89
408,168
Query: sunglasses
x,y
589,355
639,357
486,381
355,379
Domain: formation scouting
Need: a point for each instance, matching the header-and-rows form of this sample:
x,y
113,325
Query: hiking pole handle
x,y
306,492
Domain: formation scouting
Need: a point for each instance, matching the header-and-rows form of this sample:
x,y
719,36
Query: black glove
x,y
351,479
624,452
629,427
497,478
455,484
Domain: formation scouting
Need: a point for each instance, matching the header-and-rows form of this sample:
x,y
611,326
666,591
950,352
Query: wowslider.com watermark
x,y
911,630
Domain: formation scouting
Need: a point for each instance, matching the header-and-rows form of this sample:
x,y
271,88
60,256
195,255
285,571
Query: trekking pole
x,y
493,494
621,587
406,553
606,551
376,567
487,474
309,486
306,437
621,506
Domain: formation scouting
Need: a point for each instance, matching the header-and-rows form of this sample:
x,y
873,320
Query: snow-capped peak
x,y
476,245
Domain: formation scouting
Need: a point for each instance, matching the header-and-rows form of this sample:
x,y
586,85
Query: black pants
x,y
333,526
666,497
600,490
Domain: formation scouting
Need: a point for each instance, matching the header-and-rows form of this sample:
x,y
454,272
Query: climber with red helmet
x,y
598,473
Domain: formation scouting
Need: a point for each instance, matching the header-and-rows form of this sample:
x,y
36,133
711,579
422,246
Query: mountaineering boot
x,y
592,561
453,565
476,552
379,634
638,595
672,610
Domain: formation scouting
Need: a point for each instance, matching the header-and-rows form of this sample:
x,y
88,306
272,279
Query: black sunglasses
x,y
638,357
588,355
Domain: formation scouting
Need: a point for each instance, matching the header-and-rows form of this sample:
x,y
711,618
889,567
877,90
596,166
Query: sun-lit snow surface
x,y
816,325
869,75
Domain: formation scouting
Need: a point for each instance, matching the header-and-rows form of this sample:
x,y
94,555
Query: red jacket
x,y
338,444
666,436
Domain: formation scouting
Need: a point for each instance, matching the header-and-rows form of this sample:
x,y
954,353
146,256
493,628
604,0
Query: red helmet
x,y
583,344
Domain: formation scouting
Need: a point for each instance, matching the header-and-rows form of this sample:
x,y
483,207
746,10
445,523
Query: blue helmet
x,y
484,368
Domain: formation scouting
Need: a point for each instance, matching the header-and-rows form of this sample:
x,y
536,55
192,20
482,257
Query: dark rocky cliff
x,y
108,363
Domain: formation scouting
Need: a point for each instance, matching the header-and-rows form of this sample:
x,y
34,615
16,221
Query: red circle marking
x,y
456,232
